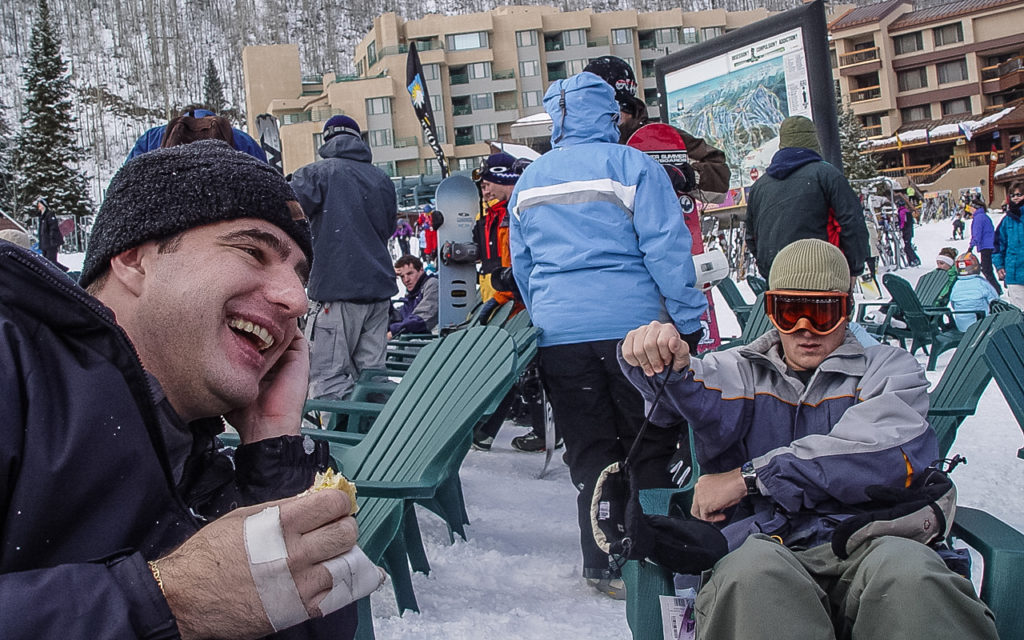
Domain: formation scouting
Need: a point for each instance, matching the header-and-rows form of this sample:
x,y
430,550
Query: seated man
x,y
790,432
418,313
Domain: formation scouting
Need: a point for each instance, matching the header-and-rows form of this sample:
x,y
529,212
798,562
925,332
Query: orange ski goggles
x,y
823,310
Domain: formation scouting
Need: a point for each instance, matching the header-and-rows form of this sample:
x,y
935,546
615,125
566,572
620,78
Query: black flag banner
x,y
421,104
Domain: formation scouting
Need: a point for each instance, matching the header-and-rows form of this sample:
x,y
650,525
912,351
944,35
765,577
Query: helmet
x,y
967,264
619,75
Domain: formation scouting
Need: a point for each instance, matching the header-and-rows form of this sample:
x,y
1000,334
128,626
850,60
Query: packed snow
x,y
518,575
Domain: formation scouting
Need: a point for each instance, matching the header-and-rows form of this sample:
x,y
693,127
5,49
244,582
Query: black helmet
x,y
619,75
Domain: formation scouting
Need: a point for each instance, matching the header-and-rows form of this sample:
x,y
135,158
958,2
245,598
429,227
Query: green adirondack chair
x,y
1005,358
735,300
954,397
926,326
929,286
758,323
757,285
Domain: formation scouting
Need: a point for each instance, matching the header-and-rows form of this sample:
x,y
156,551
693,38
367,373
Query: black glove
x,y
486,310
693,339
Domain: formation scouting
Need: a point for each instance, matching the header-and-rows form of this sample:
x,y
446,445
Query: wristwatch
x,y
750,478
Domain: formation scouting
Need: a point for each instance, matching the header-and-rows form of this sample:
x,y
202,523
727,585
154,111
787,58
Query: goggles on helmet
x,y
823,311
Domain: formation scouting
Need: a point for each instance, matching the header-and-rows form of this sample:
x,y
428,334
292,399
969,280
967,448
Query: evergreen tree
x,y
8,203
47,153
213,90
856,165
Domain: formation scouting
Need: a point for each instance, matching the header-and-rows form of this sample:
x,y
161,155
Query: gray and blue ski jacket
x,y
598,241
859,421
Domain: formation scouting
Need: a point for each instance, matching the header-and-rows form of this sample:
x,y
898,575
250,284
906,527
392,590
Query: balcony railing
x,y
459,78
600,41
506,74
464,140
647,44
394,50
402,143
871,131
553,45
1005,68
910,169
558,74
505,106
859,56
866,93
461,109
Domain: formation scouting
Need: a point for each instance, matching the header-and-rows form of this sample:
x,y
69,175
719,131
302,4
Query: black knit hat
x,y
161,193
616,72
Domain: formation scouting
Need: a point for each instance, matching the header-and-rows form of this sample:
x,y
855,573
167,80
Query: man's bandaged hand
x,y
210,581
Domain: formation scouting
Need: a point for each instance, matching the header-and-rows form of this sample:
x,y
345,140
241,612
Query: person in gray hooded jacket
x,y
353,210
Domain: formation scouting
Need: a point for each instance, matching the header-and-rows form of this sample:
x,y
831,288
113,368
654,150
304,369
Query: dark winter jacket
x,y
50,237
983,233
418,313
152,138
795,199
1010,241
353,210
87,492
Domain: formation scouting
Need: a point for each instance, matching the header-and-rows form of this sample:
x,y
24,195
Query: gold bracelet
x,y
156,576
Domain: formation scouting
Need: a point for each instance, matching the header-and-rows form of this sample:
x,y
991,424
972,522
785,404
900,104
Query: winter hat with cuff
x,y
500,168
337,125
810,265
798,131
164,192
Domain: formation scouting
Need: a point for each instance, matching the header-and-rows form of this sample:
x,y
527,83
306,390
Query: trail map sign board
x,y
735,90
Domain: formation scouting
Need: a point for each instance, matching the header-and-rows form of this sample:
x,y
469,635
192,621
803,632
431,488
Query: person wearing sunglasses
x,y
793,433
1008,258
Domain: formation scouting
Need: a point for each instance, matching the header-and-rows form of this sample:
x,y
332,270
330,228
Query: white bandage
x,y
268,563
354,577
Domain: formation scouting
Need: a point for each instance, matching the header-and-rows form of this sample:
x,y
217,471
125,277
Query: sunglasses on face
x,y
823,310
1017,195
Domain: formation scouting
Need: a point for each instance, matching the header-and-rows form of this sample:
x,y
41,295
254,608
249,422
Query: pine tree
x,y
856,165
213,90
8,202
47,153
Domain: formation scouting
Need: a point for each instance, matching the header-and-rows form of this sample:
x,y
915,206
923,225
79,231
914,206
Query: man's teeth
x,y
266,340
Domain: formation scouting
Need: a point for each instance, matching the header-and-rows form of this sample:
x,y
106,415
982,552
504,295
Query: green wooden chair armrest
x,y
863,306
344,438
1002,548
385,489
952,411
348,407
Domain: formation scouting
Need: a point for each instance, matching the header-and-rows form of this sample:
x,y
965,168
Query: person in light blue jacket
x,y
599,245
971,292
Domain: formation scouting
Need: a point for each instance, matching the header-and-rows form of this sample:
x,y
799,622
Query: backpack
x,y
188,128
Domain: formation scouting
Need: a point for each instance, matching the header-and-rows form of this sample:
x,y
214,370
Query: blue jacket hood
x,y
590,111
347,146
786,161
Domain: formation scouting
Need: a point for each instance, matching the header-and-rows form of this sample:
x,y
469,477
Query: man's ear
x,y
128,269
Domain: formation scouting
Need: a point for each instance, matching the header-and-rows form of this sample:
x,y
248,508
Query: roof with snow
x,y
1013,170
945,12
515,150
966,128
865,15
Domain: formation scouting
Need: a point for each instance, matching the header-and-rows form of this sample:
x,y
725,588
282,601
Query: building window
x,y
462,41
485,132
666,36
707,33
481,101
690,35
379,137
531,99
908,43
386,167
371,53
871,123
948,34
442,135
576,66
622,36
526,38
913,114
376,106
912,79
431,71
466,164
360,67
435,104
574,37
529,68
480,70
953,71
953,107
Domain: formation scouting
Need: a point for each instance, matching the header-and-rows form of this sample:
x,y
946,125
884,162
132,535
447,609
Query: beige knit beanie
x,y
798,131
810,265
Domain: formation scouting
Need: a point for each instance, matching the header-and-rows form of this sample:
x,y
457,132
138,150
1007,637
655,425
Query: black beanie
x,y
164,192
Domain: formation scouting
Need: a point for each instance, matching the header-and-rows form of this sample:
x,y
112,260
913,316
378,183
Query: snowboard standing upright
x,y
457,203
663,143
270,140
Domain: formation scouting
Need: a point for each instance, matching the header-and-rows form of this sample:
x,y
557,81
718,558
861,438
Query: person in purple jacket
x,y
795,433
983,238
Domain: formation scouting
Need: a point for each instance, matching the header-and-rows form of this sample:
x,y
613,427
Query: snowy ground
x,y
517,576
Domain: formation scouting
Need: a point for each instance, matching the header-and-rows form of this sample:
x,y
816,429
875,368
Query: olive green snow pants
x,y
889,588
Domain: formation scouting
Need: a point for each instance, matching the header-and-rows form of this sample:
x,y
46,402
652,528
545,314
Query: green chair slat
x,y
735,300
1005,358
